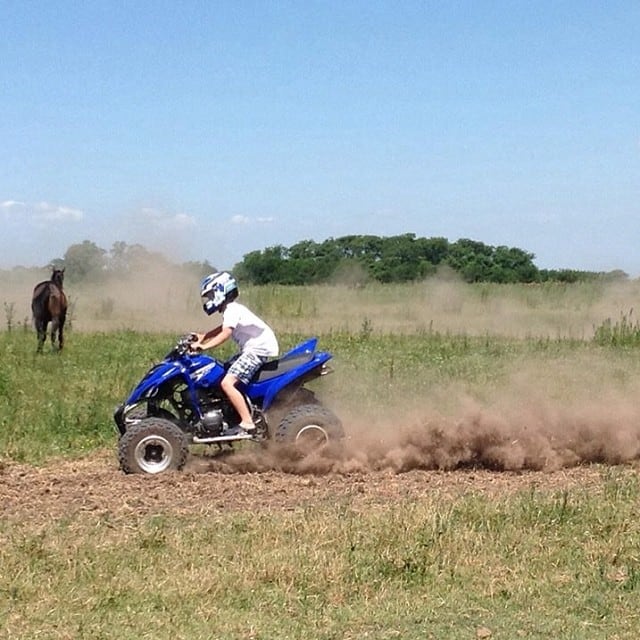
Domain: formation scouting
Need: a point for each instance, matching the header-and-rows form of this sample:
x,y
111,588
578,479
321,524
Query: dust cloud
x,y
545,415
534,435
155,297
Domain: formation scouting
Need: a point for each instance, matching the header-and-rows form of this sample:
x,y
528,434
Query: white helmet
x,y
216,289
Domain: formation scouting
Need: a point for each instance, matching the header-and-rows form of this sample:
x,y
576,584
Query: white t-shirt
x,y
249,332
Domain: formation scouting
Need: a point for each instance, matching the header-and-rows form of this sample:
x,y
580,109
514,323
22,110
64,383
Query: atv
x,y
179,403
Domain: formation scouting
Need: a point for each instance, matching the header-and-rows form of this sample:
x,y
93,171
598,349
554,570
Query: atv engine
x,y
215,414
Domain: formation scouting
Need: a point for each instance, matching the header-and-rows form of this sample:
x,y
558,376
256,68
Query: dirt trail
x,y
94,485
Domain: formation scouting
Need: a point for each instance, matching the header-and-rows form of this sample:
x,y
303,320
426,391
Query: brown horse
x,y
49,305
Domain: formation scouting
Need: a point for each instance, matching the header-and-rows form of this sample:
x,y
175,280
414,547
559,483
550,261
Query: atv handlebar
x,y
183,346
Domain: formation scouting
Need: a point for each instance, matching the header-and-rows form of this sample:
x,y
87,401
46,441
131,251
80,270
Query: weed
x,y
625,332
9,314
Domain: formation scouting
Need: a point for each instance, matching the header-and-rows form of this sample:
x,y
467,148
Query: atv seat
x,y
277,367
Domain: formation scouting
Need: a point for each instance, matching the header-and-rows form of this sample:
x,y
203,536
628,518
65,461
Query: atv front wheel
x,y
309,427
152,445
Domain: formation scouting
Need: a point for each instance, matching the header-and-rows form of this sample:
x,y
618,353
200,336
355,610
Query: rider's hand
x,y
196,342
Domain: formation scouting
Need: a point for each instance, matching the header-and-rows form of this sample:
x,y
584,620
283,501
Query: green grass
x,y
534,564
61,403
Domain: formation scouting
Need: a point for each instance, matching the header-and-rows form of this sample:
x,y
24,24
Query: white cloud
x,y
168,221
42,211
240,219
12,204
184,220
51,212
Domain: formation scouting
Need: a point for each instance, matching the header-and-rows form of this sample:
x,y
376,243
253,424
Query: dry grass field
x,y
164,300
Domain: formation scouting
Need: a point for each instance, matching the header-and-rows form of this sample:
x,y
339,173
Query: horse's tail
x,y
39,299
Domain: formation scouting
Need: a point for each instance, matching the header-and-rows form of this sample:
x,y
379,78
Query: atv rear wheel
x,y
152,445
309,427
286,402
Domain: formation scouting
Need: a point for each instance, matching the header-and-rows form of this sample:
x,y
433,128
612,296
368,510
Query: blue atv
x,y
179,403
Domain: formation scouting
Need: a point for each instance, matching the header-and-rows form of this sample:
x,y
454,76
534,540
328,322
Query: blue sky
x,y
210,129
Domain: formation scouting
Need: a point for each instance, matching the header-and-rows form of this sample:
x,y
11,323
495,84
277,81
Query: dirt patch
x,y
208,485
488,451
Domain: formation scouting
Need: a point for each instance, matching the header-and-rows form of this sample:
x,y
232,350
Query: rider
x,y
254,337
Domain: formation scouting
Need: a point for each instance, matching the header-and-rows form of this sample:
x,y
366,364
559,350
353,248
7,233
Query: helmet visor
x,y
211,302
209,306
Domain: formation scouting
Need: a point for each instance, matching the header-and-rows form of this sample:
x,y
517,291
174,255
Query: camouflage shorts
x,y
245,365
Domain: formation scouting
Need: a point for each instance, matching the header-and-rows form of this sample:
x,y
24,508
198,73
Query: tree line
x,y
87,262
353,259
401,258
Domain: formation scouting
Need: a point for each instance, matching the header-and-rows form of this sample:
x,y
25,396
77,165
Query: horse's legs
x,y
41,328
61,332
55,326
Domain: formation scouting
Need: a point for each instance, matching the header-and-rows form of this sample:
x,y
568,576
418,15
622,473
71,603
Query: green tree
x,y
513,265
470,258
432,250
124,258
85,261
262,267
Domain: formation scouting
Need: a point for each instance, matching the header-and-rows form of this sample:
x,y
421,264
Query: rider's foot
x,y
247,426
240,430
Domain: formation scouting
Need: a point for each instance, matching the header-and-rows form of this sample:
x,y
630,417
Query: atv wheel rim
x,y
153,454
311,438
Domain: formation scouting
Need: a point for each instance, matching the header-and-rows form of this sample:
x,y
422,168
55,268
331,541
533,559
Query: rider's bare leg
x,y
228,385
